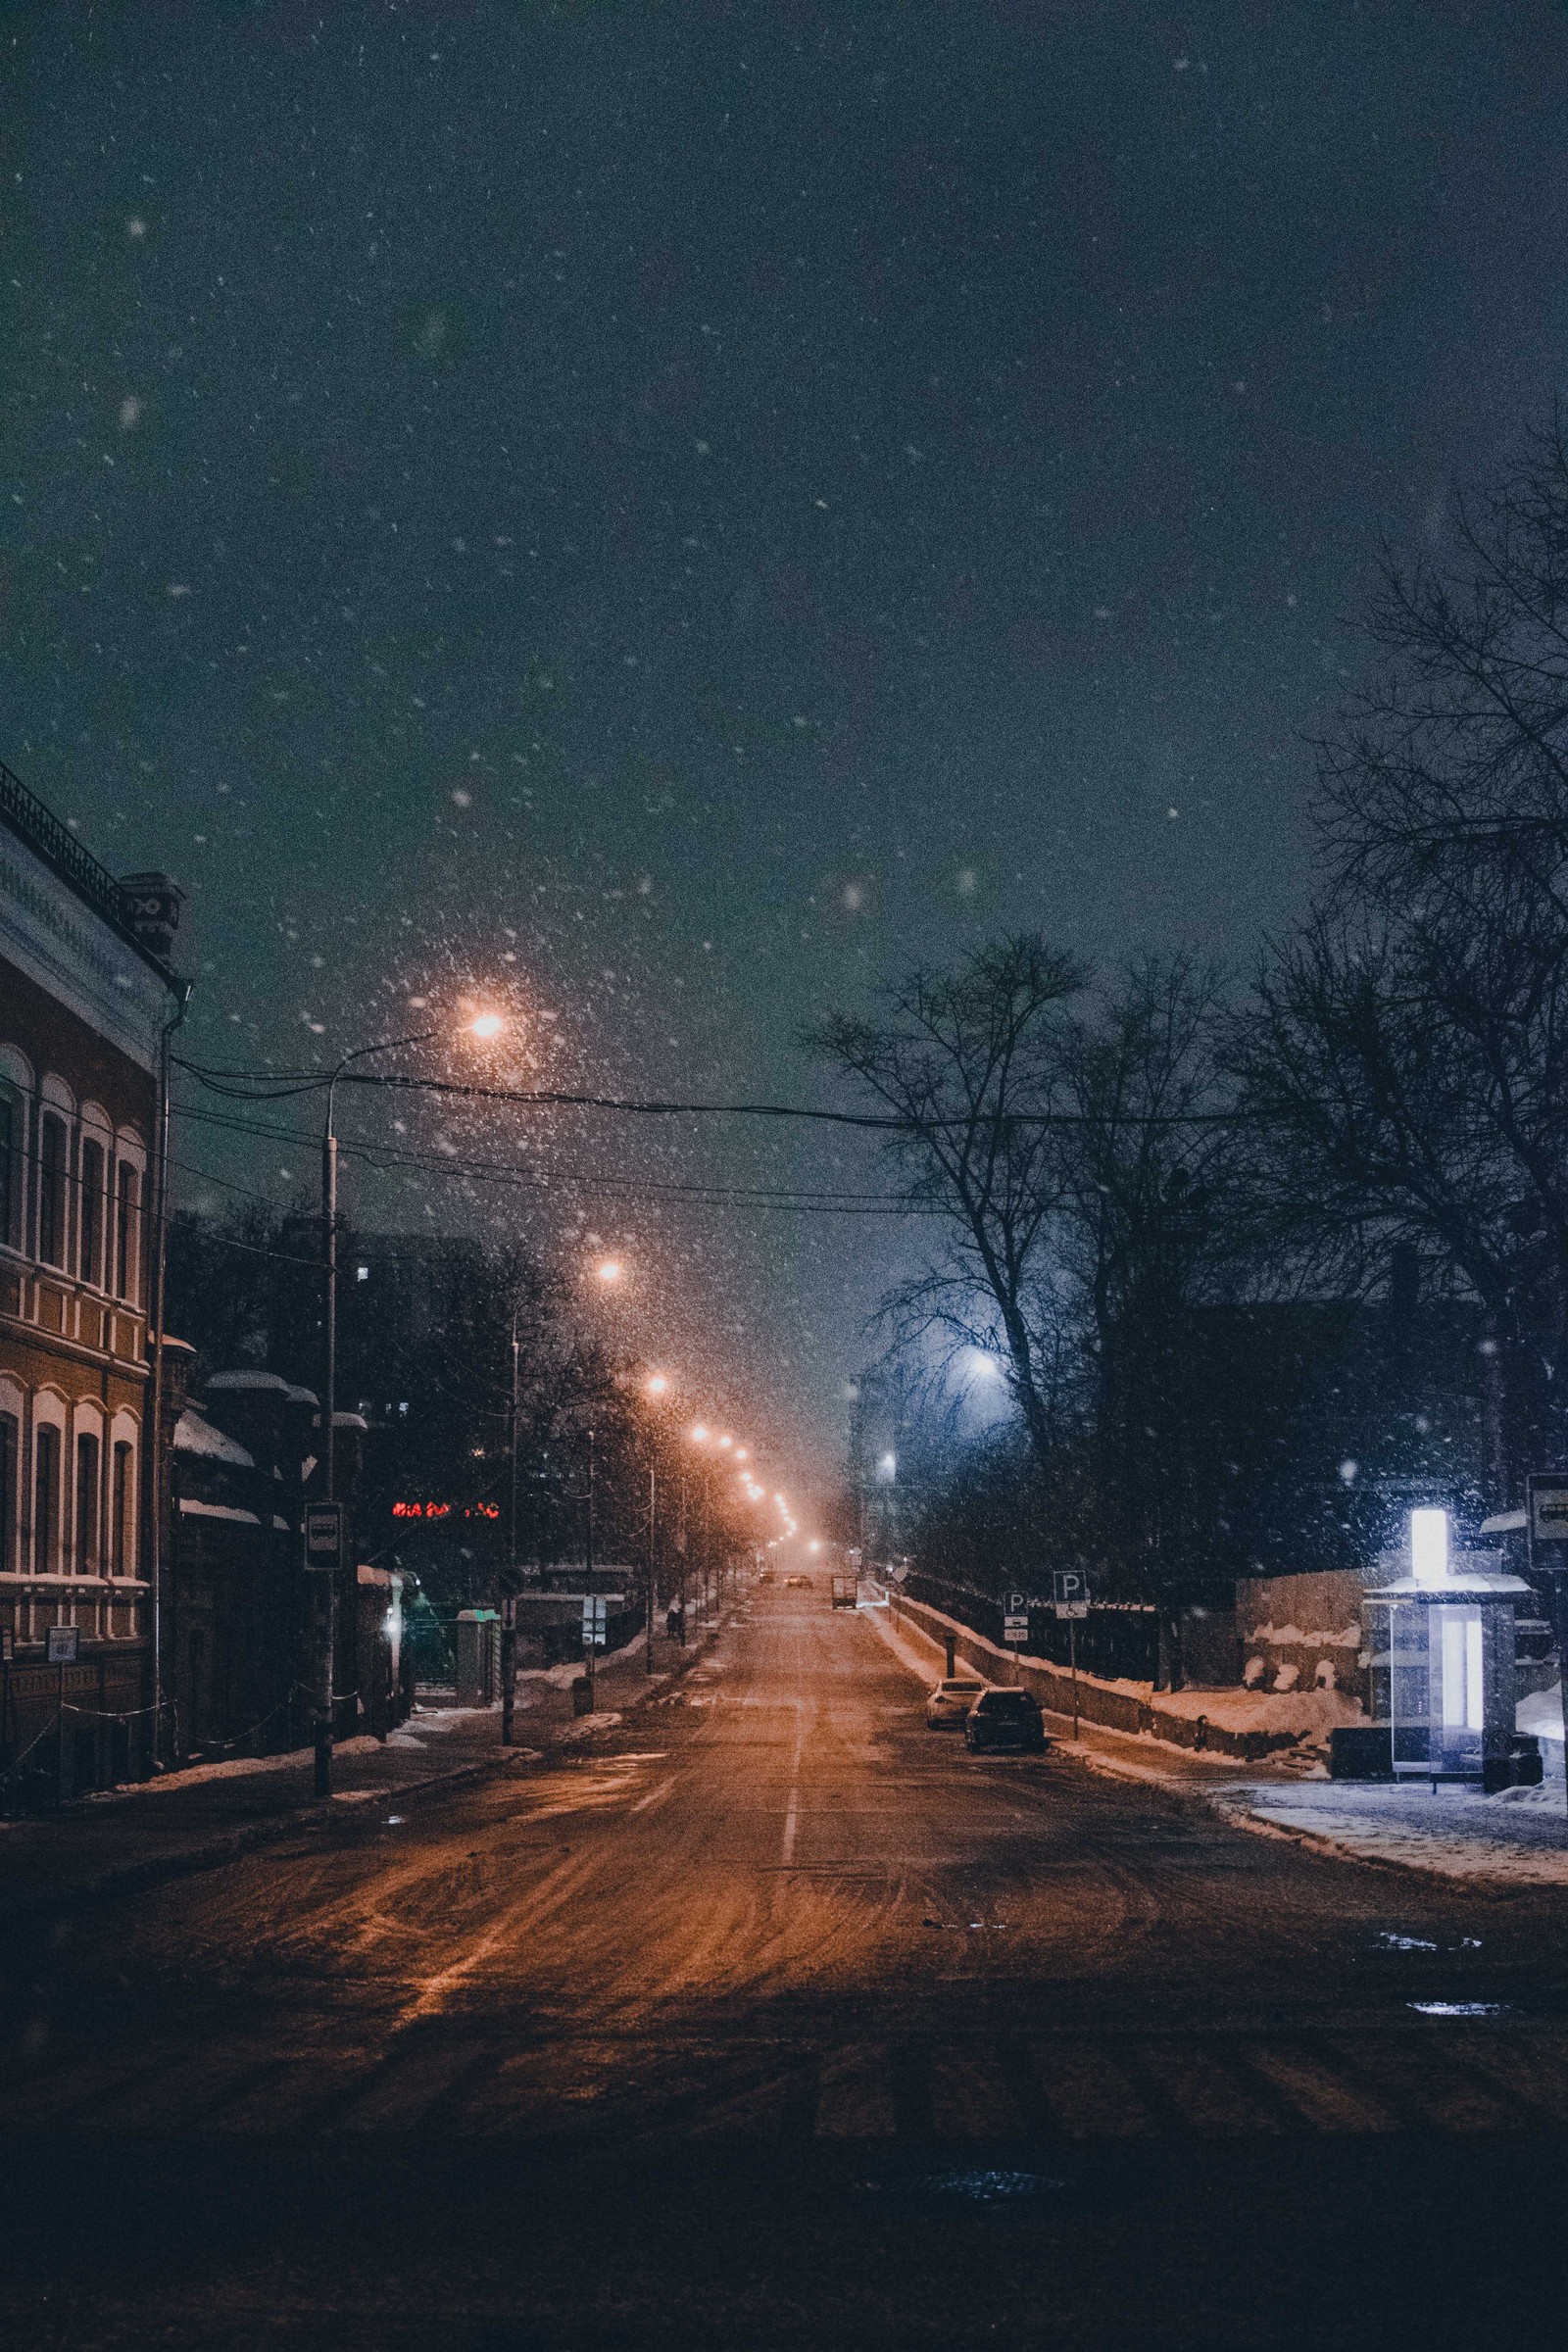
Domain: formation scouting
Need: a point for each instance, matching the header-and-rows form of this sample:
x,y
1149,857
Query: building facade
x,y
84,1003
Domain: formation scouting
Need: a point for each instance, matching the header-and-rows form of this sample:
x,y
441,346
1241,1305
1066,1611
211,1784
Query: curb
x,y
132,1878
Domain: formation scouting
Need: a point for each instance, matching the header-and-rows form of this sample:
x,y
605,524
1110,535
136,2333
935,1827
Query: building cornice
x,y
64,947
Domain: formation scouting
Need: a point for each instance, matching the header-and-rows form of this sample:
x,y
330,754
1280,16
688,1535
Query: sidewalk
x,y
1517,1837
193,1820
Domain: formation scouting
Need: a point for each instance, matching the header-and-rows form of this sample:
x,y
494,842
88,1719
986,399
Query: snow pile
x,y
1519,1836
234,1767
1309,1714
1281,1636
1542,1713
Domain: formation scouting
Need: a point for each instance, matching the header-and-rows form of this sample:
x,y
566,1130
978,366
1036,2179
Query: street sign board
x,y
594,1615
64,1642
1548,1509
324,1536
1069,1591
1015,1631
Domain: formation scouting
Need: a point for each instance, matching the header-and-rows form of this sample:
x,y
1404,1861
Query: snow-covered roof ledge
x,y
194,1434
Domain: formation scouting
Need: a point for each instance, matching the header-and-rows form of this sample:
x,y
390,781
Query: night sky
x,y
711,503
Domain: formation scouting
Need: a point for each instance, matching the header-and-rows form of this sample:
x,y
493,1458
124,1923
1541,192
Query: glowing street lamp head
x,y
608,1271
486,1025
726,1439
700,1435
1428,1546
657,1385
741,1455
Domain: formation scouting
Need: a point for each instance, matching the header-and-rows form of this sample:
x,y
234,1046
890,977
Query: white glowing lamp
x,y
1428,1546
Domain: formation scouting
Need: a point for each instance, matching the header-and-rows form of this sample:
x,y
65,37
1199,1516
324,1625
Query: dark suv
x,y
1004,1719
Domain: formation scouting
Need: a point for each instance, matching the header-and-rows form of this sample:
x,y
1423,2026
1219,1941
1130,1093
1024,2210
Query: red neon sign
x,y
444,1510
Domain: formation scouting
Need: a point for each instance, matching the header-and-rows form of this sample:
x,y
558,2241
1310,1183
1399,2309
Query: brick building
x,y
86,997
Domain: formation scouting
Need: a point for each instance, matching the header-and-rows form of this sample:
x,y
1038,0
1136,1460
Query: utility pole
x,y
154,1280
588,1565
652,1557
325,1586
325,1603
509,1603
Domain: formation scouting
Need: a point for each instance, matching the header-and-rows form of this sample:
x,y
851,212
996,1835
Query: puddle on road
x,y
972,2183
1386,1940
970,1926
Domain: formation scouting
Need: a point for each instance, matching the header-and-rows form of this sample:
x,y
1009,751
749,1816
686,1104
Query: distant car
x,y
1004,1719
801,1584
949,1702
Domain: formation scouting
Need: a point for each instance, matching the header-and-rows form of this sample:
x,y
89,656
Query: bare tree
x,y
1407,1058
972,1066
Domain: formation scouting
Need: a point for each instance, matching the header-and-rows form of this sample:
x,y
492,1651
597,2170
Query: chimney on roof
x,y
152,904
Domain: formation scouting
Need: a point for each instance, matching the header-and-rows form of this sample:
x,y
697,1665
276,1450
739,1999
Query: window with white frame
x,y
12,1164
52,1165
121,1507
90,1213
45,1498
127,1237
10,1494
85,1523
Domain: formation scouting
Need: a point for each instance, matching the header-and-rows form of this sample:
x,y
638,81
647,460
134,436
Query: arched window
x,y
90,1221
86,1550
10,1496
11,1166
45,1498
121,1504
128,1212
16,1089
52,1189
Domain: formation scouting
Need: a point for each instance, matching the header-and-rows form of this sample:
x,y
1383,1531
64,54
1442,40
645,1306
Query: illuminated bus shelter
x,y
1450,1680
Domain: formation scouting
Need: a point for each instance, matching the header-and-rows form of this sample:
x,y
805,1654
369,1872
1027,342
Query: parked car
x,y
1004,1719
949,1702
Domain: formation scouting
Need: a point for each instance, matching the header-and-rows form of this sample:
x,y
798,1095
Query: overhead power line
x,y
252,1086
800,1198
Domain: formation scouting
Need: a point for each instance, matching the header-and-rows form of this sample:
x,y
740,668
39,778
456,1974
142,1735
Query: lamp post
x,y
485,1025
657,1387
509,1604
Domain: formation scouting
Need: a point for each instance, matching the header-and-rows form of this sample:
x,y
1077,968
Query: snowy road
x,y
770,2017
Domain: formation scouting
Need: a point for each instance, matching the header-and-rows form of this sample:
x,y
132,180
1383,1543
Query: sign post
x,y
324,1557
1069,1594
63,1642
594,1614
